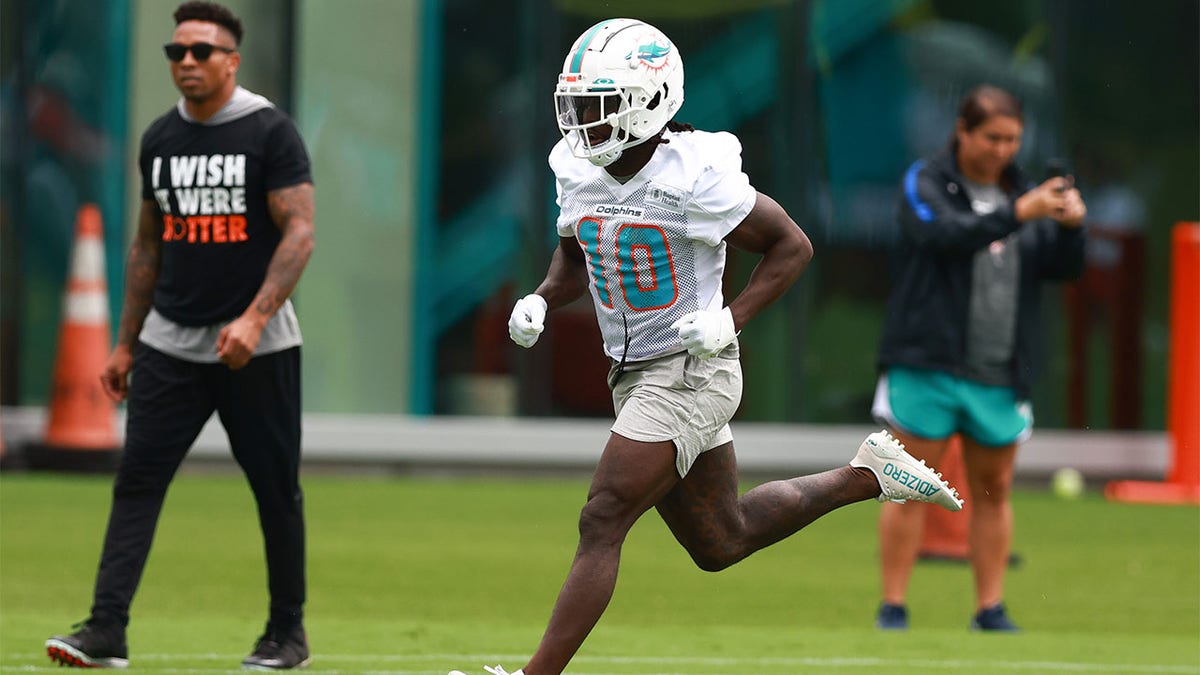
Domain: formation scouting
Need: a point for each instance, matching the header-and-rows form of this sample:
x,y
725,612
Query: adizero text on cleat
x,y
901,476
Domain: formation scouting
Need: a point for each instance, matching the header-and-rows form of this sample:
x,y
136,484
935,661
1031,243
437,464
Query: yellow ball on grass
x,y
1067,483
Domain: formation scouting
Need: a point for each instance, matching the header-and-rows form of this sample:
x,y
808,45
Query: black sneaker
x,y
279,650
94,645
892,617
994,618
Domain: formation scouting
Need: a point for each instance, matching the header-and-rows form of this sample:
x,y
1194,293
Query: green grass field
x,y
423,575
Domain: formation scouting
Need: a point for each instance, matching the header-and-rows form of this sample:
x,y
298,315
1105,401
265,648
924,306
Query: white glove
x,y
528,320
707,332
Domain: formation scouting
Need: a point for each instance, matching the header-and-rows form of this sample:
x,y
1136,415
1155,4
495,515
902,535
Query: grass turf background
x,y
425,574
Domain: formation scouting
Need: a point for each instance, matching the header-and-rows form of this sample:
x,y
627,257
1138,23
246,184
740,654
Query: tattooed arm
x,y
141,274
292,210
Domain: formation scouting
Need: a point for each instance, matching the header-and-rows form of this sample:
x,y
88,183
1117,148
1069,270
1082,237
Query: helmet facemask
x,y
596,121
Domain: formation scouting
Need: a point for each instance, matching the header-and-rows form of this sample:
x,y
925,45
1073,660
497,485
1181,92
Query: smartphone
x,y
1056,168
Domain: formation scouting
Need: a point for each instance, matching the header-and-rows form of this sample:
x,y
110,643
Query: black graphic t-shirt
x,y
211,184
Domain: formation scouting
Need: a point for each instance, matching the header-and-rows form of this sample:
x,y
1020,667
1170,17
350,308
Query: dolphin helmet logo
x,y
653,55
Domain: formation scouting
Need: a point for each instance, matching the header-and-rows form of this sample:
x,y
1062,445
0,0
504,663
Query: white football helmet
x,y
621,83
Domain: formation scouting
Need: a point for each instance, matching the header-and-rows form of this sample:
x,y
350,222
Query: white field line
x,y
474,662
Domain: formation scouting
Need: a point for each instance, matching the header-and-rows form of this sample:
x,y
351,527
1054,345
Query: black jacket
x,y
926,322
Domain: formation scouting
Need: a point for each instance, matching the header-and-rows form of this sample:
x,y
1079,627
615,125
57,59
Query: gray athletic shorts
x,y
679,398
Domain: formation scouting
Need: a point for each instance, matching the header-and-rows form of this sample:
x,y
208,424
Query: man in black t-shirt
x,y
224,232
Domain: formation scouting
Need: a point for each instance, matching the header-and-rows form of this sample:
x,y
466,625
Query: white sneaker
x,y
901,476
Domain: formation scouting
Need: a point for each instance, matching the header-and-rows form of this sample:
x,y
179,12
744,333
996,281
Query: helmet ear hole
x,y
657,98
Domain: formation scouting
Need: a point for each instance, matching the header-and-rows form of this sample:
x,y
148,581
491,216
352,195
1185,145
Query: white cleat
x,y
901,476
494,670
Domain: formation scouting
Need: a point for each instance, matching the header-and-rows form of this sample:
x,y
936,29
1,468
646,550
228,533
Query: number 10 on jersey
x,y
643,266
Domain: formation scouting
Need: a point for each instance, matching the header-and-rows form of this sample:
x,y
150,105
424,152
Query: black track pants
x,y
169,402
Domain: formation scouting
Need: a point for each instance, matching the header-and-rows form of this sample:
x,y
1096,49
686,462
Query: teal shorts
x,y
933,404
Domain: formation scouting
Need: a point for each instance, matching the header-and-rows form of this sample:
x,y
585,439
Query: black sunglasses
x,y
200,50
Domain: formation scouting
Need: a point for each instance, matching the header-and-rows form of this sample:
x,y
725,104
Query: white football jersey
x,y
654,245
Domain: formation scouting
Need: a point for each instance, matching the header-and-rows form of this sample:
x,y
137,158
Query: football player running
x,y
648,207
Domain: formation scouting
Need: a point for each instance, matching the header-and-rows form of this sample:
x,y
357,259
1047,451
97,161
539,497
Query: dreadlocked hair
x,y
675,127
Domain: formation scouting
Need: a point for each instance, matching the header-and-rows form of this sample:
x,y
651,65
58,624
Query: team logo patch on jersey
x,y
619,211
666,198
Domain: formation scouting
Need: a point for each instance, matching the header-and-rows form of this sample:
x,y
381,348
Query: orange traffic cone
x,y
944,536
81,430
